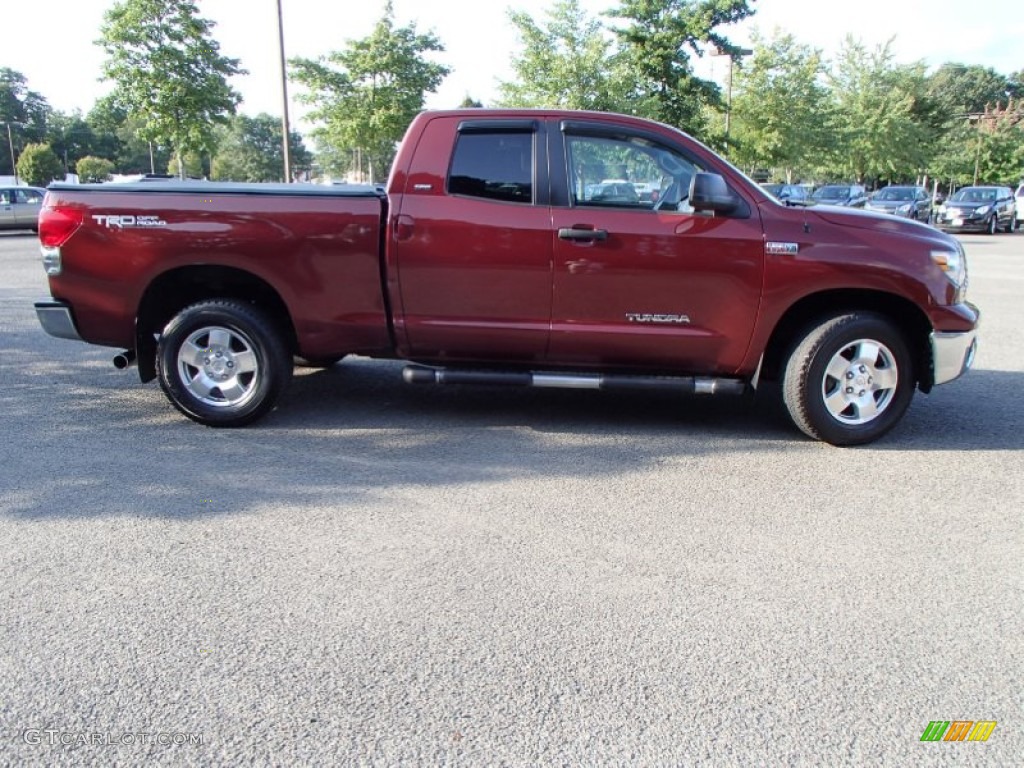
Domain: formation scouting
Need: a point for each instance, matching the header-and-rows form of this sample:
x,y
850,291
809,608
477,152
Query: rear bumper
x,y
56,318
952,354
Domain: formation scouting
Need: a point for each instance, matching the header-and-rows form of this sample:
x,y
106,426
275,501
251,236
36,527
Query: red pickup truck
x,y
513,247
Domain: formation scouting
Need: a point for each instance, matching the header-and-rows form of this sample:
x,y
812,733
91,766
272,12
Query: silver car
x,y
20,206
909,202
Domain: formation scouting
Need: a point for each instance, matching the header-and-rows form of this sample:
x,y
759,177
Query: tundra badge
x,y
645,317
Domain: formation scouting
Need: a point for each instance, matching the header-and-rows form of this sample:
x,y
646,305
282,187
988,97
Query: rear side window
x,y
495,166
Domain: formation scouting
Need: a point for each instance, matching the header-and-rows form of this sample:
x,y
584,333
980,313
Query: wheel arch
x,y
173,290
903,313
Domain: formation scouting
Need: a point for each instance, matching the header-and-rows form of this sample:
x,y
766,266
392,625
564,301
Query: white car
x,y
1020,204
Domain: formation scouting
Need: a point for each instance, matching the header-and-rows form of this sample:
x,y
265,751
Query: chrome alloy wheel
x,y
218,366
860,382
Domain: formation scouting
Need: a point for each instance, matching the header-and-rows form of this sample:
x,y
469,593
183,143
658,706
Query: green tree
x,y
250,149
119,138
878,129
566,63
780,110
365,96
24,110
70,136
92,170
193,167
1015,85
38,165
657,44
1001,152
961,89
168,70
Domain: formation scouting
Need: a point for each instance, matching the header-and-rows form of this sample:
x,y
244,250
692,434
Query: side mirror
x,y
709,192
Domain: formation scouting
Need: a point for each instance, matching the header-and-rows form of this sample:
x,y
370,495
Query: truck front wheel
x,y
849,380
223,363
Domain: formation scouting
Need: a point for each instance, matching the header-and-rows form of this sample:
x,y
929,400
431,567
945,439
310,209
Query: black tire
x,y
1011,225
223,343
993,224
857,360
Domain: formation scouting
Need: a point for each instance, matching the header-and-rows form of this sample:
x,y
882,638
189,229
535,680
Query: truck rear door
x,y
470,249
641,280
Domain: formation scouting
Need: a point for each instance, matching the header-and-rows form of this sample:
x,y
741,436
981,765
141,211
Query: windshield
x,y
890,193
831,192
974,195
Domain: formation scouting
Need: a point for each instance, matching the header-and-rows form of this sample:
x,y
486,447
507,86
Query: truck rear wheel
x,y
223,363
849,380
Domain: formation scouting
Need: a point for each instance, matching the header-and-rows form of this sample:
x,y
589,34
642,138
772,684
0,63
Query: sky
x,y
53,43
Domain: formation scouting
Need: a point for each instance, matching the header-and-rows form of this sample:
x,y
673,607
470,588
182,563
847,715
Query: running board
x,y
687,385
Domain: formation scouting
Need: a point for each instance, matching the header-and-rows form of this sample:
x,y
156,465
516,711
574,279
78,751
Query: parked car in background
x,y
1019,204
19,207
979,209
849,195
614,192
794,194
908,202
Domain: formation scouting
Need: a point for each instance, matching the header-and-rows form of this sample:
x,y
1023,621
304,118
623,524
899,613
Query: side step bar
x,y
687,385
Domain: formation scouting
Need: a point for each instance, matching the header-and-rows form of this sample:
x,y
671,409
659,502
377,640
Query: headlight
x,y
954,264
983,210
903,209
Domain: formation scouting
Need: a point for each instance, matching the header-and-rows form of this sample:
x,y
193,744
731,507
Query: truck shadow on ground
x,y
86,441
976,412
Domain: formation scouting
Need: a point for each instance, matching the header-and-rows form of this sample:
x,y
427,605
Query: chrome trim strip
x,y
56,319
952,354
579,381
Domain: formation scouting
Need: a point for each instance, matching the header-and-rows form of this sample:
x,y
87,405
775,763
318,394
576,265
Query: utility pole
x,y
285,129
14,165
736,53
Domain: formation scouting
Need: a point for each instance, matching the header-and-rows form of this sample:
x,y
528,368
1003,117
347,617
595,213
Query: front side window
x,y
27,196
627,173
495,166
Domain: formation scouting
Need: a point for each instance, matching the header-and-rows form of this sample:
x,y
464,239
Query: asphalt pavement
x,y
378,574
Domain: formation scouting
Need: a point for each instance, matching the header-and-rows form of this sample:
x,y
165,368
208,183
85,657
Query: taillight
x,y
57,225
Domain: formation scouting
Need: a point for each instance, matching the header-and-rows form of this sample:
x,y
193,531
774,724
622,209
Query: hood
x,y
966,206
878,222
889,205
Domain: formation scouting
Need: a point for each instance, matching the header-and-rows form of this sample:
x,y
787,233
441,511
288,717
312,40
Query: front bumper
x,y
968,222
56,318
952,354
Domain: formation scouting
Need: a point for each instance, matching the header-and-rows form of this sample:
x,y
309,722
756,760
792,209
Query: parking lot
x,y
377,574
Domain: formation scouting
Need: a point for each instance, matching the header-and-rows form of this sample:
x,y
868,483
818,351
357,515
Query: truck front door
x,y
470,254
640,279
